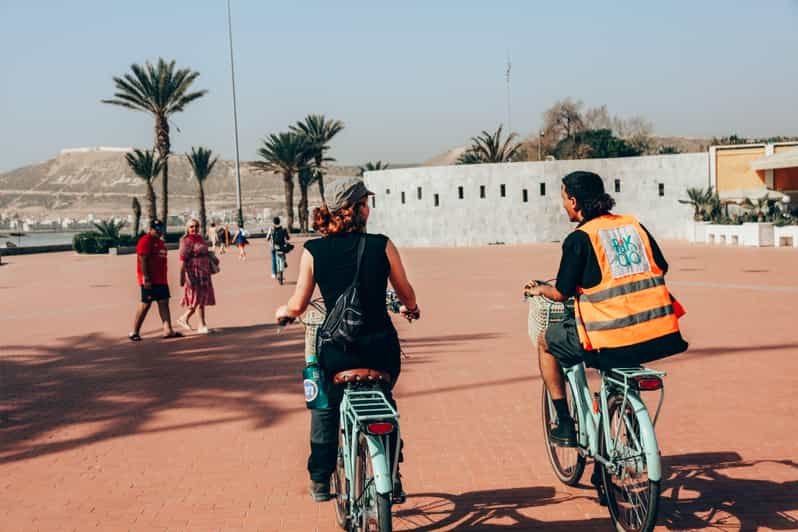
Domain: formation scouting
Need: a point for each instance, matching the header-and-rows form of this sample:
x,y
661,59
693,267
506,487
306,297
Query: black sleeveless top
x,y
334,259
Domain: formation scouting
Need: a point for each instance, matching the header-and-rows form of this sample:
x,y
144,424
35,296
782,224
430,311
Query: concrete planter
x,y
786,236
697,231
748,234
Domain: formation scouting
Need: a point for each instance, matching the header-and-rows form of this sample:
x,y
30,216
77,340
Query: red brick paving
x,y
210,433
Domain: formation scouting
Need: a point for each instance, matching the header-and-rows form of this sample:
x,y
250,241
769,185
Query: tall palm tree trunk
x,y
150,201
320,177
288,181
303,208
202,216
163,145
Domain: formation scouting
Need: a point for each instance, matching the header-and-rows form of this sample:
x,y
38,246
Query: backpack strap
x,y
361,246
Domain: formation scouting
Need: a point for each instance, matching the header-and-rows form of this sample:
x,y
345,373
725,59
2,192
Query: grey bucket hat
x,y
345,192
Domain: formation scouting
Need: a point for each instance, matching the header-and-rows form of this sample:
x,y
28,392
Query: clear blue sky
x,y
409,80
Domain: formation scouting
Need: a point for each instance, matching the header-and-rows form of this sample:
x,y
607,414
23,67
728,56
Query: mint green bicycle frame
x,y
358,408
591,422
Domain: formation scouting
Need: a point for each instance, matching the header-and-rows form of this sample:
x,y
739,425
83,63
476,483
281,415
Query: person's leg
x,y
559,347
203,324
141,313
274,263
324,443
183,319
166,316
550,370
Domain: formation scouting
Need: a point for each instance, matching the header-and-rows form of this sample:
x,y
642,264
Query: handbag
x,y
214,263
345,319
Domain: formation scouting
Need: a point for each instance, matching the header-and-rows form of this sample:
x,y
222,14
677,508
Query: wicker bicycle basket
x,y
542,313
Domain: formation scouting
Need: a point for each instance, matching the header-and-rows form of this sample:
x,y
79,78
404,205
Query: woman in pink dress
x,y
195,276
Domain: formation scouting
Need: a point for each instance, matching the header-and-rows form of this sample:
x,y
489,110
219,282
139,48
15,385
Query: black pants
x,y
324,435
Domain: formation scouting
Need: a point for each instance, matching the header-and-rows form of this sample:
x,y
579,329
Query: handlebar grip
x,y
282,322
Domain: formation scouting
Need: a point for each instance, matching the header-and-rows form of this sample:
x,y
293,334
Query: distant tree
x,y
202,162
319,131
161,91
286,154
489,148
561,121
136,216
668,150
701,200
594,144
372,167
146,165
109,228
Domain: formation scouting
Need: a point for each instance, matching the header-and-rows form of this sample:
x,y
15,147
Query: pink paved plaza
x,y
211,433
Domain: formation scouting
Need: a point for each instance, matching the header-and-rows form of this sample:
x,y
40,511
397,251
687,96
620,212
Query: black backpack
x,y
345,319
278,237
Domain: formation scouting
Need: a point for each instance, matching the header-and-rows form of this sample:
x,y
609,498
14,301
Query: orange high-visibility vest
x,y
631,303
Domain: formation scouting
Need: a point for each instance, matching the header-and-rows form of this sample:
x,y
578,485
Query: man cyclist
x,y
279,237
623,314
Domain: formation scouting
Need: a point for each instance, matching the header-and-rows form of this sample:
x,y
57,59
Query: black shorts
x,y
564,345
158,292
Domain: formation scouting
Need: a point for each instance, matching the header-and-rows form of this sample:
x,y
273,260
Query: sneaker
x,y
320,491
204,330
274,276
183,323
564,434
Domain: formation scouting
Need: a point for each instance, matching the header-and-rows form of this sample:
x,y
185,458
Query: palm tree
x,y
306,177
109,229
372,167
147,166
202,165
700,199
286,154
319,132
136,216
489,148
161,91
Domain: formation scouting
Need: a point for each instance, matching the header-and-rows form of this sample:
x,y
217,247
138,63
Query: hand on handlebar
x,y
532,288
282,316
409,314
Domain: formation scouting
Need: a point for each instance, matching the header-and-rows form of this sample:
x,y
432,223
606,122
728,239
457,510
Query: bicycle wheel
x,y
280,277
340,487
568,463
632,498
375,508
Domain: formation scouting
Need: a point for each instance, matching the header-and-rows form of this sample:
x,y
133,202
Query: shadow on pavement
x,y
100,387
708,490
500,509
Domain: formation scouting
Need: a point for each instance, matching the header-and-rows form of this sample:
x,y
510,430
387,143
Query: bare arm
x,y
533,288
305,285
398,278
145,273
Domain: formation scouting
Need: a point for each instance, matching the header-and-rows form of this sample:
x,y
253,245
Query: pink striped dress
x,y
198,290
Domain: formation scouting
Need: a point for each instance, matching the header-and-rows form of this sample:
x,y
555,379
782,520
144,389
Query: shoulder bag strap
x,y
361,246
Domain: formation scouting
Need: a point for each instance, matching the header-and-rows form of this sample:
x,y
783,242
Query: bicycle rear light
x,y
648,383
380,428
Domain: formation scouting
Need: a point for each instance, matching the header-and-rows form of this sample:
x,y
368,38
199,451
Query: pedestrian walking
x,y
240,240
196,267
213,237
152,278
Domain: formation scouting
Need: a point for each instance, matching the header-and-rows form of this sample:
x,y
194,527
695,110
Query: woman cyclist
x,y
330,262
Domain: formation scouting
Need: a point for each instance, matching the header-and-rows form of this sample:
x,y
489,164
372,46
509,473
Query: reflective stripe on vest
x,y
631,303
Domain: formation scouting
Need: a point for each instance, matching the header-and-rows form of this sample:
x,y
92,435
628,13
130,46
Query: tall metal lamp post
x,y
235,118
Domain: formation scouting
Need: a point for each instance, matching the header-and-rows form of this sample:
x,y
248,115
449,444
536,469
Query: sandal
x,y
173,334
134,337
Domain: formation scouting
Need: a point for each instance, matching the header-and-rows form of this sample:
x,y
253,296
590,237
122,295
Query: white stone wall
x,y
473,221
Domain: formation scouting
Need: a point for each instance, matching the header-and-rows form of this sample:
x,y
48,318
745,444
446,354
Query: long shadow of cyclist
x,y
709,490
487,510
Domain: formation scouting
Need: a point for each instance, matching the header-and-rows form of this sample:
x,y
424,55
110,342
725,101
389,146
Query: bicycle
x,y
365,475
613,428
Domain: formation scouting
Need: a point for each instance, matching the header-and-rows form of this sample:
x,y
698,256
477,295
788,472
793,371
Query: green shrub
x,y
92,243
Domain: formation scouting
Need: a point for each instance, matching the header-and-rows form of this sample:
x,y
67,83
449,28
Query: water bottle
x,y
313,375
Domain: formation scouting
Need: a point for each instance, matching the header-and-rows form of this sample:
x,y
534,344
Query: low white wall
x,y
786,236
474,220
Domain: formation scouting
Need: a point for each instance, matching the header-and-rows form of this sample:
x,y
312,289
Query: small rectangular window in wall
x,y
387,191
460,192
437,200
543,189
525,196
617,185
661,189
373,201
403,198
482,191
418,191
502,191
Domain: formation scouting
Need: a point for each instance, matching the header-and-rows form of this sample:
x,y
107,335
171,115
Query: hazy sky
x,y
409,80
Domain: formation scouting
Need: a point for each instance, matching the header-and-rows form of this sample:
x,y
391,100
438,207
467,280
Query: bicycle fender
x,y
380,465
648,437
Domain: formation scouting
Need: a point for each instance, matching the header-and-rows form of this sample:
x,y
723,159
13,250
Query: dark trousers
x,y
324,435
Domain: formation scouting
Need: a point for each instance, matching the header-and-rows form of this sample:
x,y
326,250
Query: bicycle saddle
x,y
361,375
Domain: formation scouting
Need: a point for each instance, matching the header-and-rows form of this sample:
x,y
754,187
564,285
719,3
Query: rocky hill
x,y
98,181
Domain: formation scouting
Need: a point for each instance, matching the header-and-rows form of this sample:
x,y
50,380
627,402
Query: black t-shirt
x,y
334,262
579,267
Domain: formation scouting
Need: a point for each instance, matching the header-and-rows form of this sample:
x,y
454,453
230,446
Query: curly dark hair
x,y
587,189
345,220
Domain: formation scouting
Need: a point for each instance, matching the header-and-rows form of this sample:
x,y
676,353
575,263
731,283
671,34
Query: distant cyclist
x,y
330,261
624,314
278,236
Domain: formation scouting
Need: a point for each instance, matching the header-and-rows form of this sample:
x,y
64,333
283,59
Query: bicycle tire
x,y
280,278
624,518
377,516
567,462
340,486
